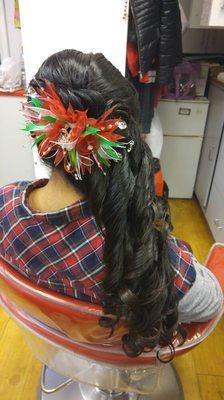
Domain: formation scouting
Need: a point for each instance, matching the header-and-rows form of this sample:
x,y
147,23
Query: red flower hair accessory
x,y
74,139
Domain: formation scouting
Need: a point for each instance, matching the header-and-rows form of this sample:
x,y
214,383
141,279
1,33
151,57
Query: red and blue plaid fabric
x,y
63,250
182,261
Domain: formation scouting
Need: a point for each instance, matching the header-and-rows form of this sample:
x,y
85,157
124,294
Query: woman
x,y
96,230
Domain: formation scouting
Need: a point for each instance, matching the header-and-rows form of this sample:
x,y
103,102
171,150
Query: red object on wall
x,y
18,93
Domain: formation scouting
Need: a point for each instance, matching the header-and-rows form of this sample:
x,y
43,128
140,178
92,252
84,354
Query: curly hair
x,y
139,285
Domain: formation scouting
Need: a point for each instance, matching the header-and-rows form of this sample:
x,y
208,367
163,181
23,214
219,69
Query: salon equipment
x,y
81,360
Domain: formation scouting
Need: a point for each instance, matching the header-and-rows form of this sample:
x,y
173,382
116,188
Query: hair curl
x,y
139,285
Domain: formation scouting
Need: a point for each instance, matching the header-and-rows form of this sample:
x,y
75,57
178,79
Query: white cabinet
x,y
205,174
183,124
215,210
210,179
179,162
213,133
215,214
203,41
195,41
215,41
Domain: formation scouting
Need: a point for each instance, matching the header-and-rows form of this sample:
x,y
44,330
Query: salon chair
x,y
81,360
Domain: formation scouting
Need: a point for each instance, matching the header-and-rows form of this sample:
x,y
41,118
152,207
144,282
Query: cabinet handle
x,y
211,153
184,111
218,224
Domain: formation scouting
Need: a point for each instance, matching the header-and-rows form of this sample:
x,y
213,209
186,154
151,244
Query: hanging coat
x,y
157,27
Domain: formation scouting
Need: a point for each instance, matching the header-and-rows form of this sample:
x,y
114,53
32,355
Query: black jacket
x,y
157,25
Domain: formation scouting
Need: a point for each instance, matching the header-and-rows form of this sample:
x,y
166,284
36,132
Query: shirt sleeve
x,y
1,230
204,299
182,261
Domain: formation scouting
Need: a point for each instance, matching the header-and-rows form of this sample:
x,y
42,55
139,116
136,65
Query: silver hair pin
x,y
130,146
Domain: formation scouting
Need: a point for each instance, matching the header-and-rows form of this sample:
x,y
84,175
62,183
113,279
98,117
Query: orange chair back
x,y
77,319
74,324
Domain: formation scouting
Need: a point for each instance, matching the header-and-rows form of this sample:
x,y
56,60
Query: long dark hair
x,y
139,285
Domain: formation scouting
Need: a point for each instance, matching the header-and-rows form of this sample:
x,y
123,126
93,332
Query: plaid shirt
x,y
63,250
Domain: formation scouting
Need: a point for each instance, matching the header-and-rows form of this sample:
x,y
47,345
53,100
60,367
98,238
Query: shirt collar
x,y
76,211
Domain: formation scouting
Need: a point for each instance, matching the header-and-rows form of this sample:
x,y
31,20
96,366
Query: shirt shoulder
x,y
182,261
9,193
10,187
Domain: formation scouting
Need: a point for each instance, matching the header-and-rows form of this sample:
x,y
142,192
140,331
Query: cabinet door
x,y
215,213
205,174
215,209
180,156
211,143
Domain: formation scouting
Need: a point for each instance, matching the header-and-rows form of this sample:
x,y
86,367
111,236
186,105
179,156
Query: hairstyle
x,y
139,285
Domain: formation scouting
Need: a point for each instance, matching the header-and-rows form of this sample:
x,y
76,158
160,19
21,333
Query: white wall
x,y
86,25
16,159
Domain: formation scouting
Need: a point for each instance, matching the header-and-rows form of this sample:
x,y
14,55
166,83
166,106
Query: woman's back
x,y
61,250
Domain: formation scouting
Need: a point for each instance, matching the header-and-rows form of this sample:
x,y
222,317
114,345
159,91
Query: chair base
x,y
169,388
